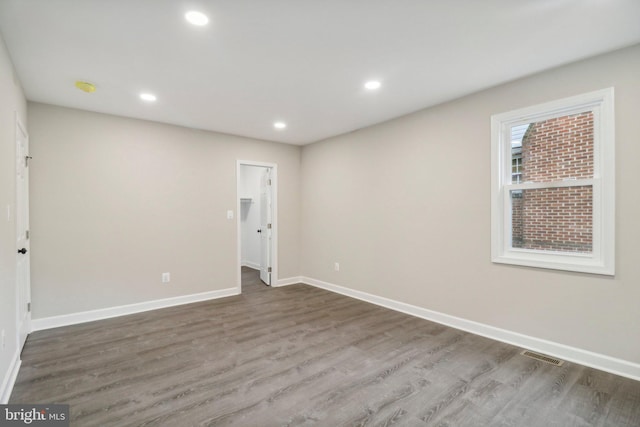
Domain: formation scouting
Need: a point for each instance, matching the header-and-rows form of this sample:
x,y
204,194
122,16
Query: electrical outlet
x,y
166,277
336,266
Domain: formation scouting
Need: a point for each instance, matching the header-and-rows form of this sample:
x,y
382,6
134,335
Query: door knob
x,y
22,251
259,230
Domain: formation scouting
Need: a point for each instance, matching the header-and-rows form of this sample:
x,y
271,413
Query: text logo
x,y
53,415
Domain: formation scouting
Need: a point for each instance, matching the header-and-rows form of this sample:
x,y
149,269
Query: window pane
x,y
553,219
555,149
517,133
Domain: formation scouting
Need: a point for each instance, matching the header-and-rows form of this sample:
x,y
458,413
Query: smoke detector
x,y
86,86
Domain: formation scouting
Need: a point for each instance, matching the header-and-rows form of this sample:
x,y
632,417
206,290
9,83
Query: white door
x,y
265,226
23,278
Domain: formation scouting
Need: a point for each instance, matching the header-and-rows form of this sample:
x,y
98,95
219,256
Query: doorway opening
x,y
257,225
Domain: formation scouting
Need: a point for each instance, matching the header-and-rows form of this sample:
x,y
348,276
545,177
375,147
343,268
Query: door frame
x,y
20,128
274,220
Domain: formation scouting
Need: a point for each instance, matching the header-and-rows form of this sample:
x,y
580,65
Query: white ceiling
x,y
303,62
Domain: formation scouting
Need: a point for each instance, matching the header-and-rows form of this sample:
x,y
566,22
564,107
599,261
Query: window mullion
x,y
550,184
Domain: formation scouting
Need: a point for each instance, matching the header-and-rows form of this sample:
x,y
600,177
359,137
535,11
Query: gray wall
x,y
12,102
404,207
115,202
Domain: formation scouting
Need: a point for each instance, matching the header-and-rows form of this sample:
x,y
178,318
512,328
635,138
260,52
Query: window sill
x,y
581,263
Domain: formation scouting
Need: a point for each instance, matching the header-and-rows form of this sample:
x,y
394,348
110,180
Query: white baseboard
x,y
106,313
288,281
583,357
10,379
255,266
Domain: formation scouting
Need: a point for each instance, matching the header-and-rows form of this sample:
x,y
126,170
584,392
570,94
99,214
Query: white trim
x,y
274,220
123,310
289,281
10,378
583,357
602,259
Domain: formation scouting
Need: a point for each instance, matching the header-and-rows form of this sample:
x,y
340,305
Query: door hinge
x,y
26,234
29,307
269,182
269,226
269,270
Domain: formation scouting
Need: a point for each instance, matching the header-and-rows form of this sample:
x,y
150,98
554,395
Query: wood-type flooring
x,y
302,356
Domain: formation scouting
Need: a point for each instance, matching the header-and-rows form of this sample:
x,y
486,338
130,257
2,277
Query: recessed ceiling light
x,y
149,97
279,125
196,18
372,84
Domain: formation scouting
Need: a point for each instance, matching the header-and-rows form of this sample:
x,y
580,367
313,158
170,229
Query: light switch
x,y
229,214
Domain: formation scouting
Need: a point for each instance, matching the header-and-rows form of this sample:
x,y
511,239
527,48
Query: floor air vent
x,y
542,358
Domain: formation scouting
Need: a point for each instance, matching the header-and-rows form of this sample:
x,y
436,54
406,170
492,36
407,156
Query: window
x,y
553,185
516,167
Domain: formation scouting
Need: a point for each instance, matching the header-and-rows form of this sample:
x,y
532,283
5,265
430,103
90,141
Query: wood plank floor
x,y
298,356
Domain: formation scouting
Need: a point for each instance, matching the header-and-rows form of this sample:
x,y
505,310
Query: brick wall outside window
x,y
557,219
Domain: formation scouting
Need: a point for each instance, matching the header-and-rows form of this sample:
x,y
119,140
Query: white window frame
x,y
601,260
